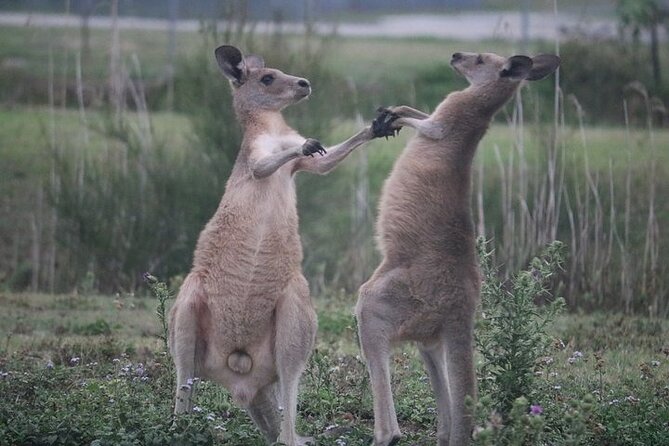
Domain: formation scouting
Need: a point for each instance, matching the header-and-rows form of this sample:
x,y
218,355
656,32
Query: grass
x,y
57,370
24,139
28,49
66,357
376,59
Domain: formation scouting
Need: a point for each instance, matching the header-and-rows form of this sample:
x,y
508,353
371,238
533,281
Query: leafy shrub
x,y
133,207
99,327
608,64
512,331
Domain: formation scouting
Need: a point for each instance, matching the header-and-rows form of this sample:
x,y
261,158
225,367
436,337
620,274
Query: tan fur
x,y
427,286
243,316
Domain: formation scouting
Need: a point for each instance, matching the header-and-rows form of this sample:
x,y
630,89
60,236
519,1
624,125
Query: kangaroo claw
x,y
382,124
312,146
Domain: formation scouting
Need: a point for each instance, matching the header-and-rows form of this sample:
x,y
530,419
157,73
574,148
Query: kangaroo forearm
x,y
404,111
335,154
267,165
424,127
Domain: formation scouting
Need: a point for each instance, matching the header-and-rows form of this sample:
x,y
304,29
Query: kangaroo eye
x,y
479,60
267,79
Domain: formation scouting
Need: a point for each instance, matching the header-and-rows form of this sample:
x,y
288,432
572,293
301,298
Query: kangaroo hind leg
x,y
264,410
434,358
295,335
189,321
377,326
461,380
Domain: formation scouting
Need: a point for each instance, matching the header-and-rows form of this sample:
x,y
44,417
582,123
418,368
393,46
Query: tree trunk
x,y
655,54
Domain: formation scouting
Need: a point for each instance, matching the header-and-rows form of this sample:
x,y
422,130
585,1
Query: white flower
x,y
75,360
197,409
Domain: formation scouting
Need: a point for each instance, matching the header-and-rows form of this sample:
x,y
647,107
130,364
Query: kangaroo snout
x,y
456,56
303,88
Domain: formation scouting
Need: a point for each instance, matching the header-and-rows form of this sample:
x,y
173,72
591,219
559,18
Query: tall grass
x,y
119,197
607,216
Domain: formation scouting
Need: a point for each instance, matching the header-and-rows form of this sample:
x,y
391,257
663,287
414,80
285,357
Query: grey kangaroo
x,y
427,286
243,316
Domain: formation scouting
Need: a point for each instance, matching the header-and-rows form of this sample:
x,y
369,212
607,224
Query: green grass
x,y
120,388
26,135
384,60
29,49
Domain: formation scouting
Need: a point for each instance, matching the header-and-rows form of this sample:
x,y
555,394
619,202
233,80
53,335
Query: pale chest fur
x,y
252,244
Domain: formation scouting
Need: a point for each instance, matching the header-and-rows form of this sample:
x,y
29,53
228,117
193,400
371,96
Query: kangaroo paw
x,y
312,146
382,125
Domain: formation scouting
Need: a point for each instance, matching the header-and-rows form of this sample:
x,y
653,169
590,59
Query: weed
x,y
162,293
511,334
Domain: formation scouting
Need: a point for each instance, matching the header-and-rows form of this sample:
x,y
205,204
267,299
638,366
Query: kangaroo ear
x,y
542,66
231,62
516,68
254,62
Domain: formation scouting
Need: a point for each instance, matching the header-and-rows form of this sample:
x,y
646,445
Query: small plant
x,y
163,294
512,330
524,425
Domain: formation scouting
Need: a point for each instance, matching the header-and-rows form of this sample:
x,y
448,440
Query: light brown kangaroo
x,y
243,316
427,286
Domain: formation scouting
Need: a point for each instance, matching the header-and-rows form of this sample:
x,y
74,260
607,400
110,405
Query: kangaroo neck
x,y
256,122
486,99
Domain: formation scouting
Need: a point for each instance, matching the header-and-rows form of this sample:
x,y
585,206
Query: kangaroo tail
x,y
240,362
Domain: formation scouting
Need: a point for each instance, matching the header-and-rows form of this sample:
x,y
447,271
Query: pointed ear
x,y
254,62
231,62
542,66
516,68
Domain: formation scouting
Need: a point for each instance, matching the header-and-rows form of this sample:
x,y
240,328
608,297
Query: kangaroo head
x,y
489,68
255,87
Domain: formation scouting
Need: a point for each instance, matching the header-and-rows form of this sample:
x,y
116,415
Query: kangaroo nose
x,y
457,56
303,83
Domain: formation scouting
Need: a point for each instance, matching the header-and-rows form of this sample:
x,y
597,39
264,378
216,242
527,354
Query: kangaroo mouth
x,y
455,66
303,94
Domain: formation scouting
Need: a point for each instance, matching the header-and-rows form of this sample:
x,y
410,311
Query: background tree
x,y
645,15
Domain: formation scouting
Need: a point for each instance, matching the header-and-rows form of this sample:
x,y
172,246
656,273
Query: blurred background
x,y
117,134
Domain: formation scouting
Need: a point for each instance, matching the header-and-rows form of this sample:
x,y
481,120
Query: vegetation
x,y
585,379
94,196
98,188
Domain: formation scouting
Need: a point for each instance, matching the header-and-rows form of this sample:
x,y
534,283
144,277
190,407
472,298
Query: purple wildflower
x,y
536,409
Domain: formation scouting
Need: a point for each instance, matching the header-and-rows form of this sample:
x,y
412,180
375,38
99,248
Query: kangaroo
x,y
427,286
243,316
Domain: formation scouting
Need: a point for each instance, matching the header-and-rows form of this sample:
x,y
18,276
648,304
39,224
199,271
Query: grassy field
x,y
85,368
65,357
26,132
